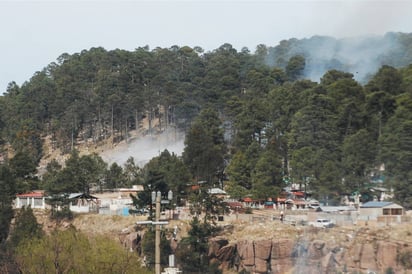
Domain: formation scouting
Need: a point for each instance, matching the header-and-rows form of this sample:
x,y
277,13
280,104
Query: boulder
x,y
226,253
246,253
316,250
262,254
354,256
215,244
130,240
263,249
281,255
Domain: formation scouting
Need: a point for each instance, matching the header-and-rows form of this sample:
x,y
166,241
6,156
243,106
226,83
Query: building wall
x,y
79,208
34,202
366,214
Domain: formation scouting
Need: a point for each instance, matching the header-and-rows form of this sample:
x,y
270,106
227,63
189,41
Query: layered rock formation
x,y
278,248
361,252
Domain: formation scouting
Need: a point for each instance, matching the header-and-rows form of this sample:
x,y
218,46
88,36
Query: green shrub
x,y
389,270
405,259
71,251
248,210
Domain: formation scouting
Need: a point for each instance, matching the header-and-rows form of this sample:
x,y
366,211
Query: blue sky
x,y
34,33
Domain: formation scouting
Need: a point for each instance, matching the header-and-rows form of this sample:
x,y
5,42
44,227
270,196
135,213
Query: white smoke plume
x,y
361,56
143,149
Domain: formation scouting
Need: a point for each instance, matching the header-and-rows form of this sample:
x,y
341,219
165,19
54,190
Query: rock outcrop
x,y
310,255
280,249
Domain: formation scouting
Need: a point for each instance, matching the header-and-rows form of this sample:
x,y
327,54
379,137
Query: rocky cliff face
x,y
273,247
314,251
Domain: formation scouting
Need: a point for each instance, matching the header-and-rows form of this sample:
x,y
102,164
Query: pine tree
x,y
26,227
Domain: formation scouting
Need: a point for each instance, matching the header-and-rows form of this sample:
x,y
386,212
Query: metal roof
x,y
216,191
81,196
337,208
375,204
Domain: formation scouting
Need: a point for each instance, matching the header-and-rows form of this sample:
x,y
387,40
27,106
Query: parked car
x,y
325,223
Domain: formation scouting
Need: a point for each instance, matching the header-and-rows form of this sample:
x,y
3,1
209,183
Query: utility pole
x,y
157,200
157,239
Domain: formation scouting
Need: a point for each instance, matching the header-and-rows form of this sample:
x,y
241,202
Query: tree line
x,y
255,127
250,127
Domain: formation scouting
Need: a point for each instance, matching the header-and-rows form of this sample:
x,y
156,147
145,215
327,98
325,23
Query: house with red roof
x,y
34,199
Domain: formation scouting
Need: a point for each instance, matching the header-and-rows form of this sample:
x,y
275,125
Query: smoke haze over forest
x,y
361,56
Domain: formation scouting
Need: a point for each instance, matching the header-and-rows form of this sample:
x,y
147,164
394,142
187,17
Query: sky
x,y
34,34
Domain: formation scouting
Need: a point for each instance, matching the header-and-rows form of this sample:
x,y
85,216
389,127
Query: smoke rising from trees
x,y
143,149
361,56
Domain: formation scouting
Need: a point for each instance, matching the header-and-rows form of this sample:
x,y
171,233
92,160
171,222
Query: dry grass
x,y
113,226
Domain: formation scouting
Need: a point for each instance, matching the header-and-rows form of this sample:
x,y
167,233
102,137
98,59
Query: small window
x,y
392,211
396,211
38,202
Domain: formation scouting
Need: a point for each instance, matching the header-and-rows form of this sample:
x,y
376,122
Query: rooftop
x,y
34,194
374,204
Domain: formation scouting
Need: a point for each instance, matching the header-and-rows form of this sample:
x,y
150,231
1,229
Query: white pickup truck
x,y
325,223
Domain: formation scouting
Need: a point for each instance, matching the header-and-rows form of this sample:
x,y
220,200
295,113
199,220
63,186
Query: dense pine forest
x,y
332,116
254,122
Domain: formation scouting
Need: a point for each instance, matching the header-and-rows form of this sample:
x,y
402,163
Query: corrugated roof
x,y
337,208
376,204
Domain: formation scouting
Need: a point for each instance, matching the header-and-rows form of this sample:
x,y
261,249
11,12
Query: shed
x,y
374,210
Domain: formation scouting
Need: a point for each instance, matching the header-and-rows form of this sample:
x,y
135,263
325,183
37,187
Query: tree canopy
x,y
255,122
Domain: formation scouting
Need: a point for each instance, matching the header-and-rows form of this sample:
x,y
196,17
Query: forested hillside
x,y
254,122
361,56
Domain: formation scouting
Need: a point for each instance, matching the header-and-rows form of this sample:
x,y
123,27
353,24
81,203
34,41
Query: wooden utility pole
x,y
157,239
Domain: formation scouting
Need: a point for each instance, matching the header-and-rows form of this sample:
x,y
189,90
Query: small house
x,y
218,192
83,203
295,204
35,199
247,201
381,212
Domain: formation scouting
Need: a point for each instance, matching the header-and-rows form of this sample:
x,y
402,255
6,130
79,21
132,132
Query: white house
x,y
217,192
35,199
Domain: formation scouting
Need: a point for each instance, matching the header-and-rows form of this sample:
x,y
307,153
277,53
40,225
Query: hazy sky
x,y
34,33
